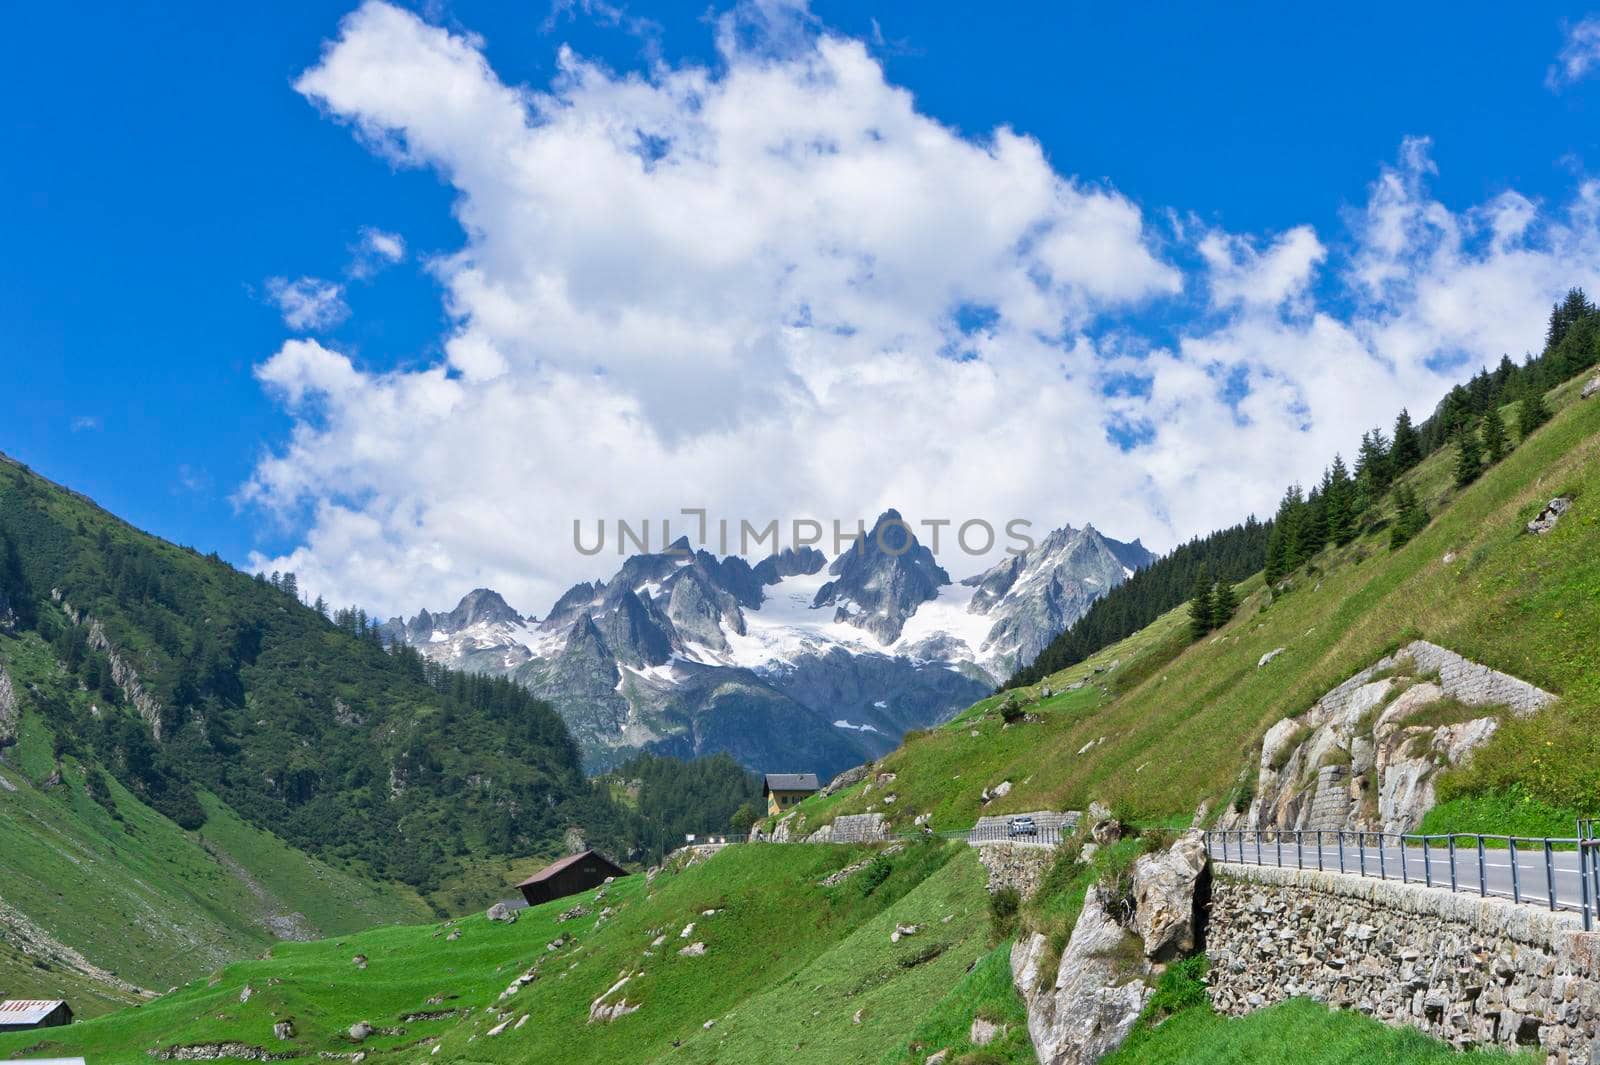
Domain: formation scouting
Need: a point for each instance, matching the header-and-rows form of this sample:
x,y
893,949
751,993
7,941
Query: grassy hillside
x,y
1165,723
303,726
1296,1031
788,962
134,893
268,774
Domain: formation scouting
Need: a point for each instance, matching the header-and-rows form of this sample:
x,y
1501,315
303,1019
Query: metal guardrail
x,y
1045,836
1460,861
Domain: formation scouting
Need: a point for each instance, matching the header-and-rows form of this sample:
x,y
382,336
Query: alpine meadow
x,y
800,531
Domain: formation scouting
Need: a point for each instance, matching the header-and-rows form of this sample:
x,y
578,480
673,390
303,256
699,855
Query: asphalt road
x,y
1531,883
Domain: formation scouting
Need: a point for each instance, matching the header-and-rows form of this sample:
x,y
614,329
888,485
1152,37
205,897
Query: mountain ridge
x,y
856,650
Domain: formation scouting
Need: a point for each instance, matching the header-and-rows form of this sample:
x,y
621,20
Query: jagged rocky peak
x,y
1036,594
882,579
637,633
481,605
790,562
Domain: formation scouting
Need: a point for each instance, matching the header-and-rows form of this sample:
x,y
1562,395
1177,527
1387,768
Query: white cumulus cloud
x,y
775,289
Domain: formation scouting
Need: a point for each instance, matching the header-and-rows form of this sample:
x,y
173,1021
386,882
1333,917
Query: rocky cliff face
x,y
1366,755
881,580
788,662
1036,595
8,711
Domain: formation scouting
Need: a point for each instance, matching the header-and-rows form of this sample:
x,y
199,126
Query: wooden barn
x,y
26,1014
580,872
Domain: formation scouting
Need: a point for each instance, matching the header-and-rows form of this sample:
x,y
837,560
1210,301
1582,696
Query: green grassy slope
x,y
304,726
141,897
1296,1031
777,938
1175,723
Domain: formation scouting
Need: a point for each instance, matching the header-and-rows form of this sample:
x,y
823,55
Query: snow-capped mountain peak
x,y
687,653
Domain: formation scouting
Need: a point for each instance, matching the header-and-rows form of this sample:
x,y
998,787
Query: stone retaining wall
x,y
1469,970
1016,865
853,828
1474,684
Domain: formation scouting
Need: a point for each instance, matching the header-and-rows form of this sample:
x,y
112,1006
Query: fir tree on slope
x,y
1531,412
1339,502
1406,451
1223,604
1201,613
1495,441
1469,455
1410,518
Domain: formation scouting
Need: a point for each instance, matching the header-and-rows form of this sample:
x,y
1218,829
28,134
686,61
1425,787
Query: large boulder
x,y
1164,894
1097,995
1550,515
1592,388
501,912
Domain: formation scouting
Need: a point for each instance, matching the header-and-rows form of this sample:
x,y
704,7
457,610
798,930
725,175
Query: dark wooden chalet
x,y
580,872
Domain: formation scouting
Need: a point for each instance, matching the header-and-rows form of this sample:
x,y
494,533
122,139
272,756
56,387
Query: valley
x,y
888,951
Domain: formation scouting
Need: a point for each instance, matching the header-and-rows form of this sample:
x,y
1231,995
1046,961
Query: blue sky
x,y
161,168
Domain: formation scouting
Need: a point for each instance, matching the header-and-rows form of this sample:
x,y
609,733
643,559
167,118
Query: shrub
x,y
873,876
1003,908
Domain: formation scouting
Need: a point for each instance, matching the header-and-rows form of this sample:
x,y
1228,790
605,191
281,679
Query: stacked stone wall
x,y
1016,865
1469,970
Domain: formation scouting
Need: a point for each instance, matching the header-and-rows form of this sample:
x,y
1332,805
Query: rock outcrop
x,y
8,711
1592,388
1103,978
1164,890
1551,514
1098,992
1366,755
122,670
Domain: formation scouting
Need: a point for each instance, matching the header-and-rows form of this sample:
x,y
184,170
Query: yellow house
x,y
783,790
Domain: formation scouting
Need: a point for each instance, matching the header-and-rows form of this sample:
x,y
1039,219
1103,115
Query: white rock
x,y
983,1032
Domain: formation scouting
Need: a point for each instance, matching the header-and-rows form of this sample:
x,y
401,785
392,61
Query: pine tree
x,y
1410,517
1281,543
1531,412
1373,462
1338,492
1469,455
1201,607
1495,441
1223,604
1406,451
1313,524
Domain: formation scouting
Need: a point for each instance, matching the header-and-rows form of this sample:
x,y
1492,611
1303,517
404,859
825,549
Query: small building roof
x,y
28,1010
790,782
572,859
